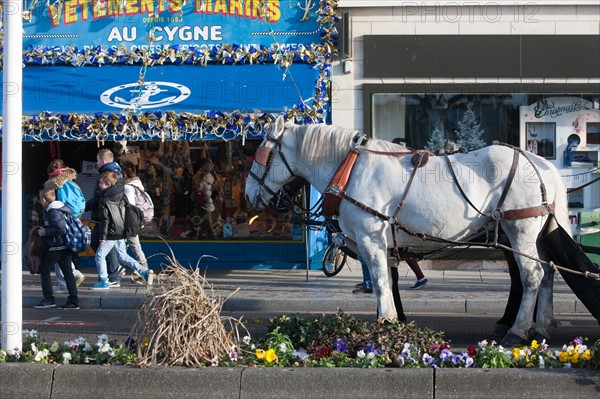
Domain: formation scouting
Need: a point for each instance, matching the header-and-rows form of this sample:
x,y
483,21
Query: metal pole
x,y
12,109
305,228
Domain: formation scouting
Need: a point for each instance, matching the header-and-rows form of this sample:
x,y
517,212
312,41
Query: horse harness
x,y
264,156
336,191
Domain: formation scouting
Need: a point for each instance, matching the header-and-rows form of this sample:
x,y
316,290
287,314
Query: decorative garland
x,y
170,125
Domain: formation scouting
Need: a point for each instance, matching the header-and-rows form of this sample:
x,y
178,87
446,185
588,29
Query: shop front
x,y
185,93
518,72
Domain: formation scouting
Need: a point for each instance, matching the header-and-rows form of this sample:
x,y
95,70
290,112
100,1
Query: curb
x,y
364,304
75,381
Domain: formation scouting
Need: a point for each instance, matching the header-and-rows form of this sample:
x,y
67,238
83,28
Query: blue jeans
x,y
121,251
367,283
111,259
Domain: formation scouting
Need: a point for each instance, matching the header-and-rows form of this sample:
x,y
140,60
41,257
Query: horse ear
x,y
279,127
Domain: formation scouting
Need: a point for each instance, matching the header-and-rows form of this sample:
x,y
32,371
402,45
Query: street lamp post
x,y
12,110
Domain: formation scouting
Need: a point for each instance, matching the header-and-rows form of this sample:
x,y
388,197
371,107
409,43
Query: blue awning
x,y
168,88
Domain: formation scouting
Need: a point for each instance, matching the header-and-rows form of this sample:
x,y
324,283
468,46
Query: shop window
x,y
541,138
429,120
198,188
593,133
418,118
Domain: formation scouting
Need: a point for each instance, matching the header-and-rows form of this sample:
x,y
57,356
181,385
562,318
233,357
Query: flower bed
x,y
328,341
180,324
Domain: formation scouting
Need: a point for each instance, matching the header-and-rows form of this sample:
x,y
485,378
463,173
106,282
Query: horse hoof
x,y
499,332
513,340
540,337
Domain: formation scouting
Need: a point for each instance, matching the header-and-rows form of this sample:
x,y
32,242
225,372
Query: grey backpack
x,y
144,202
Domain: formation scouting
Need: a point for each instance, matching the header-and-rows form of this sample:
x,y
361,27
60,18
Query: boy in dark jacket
x,y
105,162
111,208
54,230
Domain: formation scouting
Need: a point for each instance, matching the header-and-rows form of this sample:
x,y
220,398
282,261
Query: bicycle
x,y
334,258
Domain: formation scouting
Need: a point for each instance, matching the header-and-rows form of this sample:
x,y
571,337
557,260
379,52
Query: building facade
x,y
524,73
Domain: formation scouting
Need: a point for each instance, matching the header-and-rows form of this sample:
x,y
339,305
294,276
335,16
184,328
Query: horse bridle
x,y
264,156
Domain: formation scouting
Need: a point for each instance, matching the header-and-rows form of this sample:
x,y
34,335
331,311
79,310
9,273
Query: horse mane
x,y
327,143
321,142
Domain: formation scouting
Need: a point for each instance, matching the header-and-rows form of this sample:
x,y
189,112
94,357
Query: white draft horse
x,y
390,203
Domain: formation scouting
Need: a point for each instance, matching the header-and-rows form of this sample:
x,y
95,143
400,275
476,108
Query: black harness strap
x,y
416,165
459,186
364,207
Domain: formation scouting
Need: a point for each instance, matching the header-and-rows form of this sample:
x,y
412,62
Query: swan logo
x,y
146,96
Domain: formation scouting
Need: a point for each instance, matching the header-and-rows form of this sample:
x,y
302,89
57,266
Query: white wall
x,y
489,18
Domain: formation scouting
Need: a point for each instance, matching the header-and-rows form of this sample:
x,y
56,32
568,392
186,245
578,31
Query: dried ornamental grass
x,y
180,323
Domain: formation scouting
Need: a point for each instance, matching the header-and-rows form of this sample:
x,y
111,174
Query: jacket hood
x,y
114,193
60,206
57,180
135,181
109,166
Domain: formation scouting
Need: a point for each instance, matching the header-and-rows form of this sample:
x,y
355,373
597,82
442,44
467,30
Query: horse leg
x,y
544,306
396,295
376,257
531,273
514,298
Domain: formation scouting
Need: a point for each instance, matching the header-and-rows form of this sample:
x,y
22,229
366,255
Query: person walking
x,y
421,279
366,287
105,161
53,232
112,230
61,179
133,184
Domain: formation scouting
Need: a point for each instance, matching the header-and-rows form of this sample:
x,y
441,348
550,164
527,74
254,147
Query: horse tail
x,y
561,204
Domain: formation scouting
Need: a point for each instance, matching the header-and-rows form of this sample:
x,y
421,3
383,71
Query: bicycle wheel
x,y
333,260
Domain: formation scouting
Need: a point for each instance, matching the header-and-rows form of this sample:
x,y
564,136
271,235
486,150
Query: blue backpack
x,y
71,195
78,236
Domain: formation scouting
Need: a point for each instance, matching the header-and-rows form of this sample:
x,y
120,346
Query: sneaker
x,y
102,285
61,290
148,276
79,279
69,306
121,270
359,285
114,284
45,304
362,290
419,284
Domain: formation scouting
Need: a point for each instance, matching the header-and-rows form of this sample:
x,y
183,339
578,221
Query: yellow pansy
x,y
587,355
574,358
515,353
563,356
270,356
260,353
534,344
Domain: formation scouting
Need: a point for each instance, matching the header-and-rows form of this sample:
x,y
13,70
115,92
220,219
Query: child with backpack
x,y
61,179
53,233
135,193
113,230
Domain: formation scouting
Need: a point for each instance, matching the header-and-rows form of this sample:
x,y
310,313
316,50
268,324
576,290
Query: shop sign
x,y
132,23
548,108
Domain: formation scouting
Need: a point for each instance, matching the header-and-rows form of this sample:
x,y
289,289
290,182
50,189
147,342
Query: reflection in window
x,y
415,118
198,191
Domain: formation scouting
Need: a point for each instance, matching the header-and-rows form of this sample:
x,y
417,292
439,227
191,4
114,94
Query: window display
x,y
197,188
423,120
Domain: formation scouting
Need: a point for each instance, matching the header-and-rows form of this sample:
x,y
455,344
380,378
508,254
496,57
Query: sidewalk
x,y
481,290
